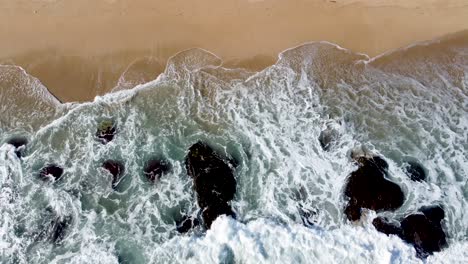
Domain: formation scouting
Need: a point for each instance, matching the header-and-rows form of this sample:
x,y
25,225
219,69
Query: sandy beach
x,y
79,49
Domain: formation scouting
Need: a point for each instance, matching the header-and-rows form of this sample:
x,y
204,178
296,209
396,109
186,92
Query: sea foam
x,y
289,201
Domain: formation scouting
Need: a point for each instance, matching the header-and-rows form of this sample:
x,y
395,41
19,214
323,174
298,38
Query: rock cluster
x,y
368,187
422,229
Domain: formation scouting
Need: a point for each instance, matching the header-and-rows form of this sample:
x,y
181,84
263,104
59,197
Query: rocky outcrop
x,y
155,168
214,181
368,188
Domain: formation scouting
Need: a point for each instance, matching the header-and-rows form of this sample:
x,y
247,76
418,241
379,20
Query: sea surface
x,y
406,105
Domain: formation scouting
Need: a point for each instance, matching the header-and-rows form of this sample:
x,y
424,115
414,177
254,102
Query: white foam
x,y
270,123
264,241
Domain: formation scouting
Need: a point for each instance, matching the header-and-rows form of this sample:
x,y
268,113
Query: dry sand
x,y
79,48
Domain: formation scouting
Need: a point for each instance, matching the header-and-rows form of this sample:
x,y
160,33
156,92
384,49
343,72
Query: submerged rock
x,y
155,168
129,252
116,169
56,230
186,224
307,216
214,181
59,228
423,230
106,131
415,171
328,137
19,143
367,188
51,171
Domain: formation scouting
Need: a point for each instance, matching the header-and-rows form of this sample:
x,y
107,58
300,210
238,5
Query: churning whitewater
x,y
108,181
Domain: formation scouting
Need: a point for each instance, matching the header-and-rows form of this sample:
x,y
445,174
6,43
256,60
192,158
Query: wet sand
x,y
79,49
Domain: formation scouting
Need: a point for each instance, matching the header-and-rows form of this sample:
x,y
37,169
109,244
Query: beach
x,y
80,49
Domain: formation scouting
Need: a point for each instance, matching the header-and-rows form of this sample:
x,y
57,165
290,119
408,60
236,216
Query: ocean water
x,y
407,105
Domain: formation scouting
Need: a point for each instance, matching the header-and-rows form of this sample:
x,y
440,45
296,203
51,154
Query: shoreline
x,y
78,52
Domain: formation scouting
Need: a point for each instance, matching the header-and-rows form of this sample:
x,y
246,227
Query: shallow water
x,y
408,105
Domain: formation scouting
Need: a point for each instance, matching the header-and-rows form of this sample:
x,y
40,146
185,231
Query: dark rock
x,y
424,233
423,230
415,171
106,131
116,169
19,143
214,181
384,226
155,168
51,171
213,177
186,224
368,188
434,213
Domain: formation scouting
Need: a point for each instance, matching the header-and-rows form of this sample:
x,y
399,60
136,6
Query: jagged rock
x,y
186,224
155,168
368,188
19,143
116,169
51,171
415,171
106,131
214,181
